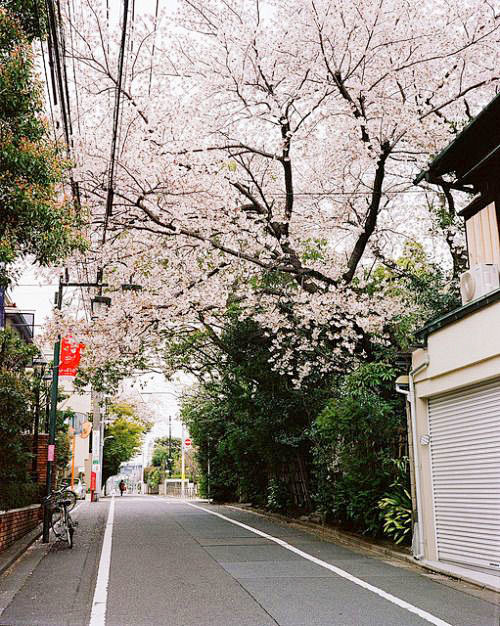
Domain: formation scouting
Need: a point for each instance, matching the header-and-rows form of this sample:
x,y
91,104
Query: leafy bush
x,y
125,437
278,496
355,437
16,419
17,495
396,506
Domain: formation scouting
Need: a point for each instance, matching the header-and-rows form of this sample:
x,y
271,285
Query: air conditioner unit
x,y
478,281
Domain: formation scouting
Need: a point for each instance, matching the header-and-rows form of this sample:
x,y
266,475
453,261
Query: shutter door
x,y
464,428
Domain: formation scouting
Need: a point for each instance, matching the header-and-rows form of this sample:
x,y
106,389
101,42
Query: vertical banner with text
x,y
70,356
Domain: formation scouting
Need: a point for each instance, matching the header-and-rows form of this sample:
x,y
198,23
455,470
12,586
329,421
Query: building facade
x,y
454,384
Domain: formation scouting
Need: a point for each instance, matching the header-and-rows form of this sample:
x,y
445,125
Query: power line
x,y
344,193
63,67
154,47
116,113
59,72
128,60
37,13
75,189
72,12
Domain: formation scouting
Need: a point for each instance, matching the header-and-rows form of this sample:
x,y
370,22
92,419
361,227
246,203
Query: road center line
x,y
336,570
98,615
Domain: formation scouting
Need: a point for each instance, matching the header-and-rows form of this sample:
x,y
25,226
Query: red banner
x,y
70,356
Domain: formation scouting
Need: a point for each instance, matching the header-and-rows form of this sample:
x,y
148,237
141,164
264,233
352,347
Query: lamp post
x,y
99,304
53,402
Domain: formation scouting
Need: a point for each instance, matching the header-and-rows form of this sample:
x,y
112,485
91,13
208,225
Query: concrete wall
x,y
461,354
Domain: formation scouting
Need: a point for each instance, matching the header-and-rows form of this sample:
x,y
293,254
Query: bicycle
x,y
70,495
59,504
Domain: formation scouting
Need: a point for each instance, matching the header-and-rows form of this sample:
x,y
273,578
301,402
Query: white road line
x,y
98,615
340,572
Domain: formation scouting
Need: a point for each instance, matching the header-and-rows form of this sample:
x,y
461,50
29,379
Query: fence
x,y
173,487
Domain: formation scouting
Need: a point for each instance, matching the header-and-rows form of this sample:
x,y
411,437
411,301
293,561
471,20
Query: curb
x,y
18,548
340,536
353,541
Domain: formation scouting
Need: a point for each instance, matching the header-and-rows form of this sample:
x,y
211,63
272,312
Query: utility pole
x,y
36,429
208,467
52,421
169,445
97,302
183,465
95,479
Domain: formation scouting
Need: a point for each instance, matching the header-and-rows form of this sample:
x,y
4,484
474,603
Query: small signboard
x,y
51,452
187,442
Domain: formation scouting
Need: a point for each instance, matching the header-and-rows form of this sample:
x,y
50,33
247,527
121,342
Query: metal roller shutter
x,y
464,428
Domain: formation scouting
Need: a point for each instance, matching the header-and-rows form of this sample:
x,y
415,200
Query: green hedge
x,y
18,495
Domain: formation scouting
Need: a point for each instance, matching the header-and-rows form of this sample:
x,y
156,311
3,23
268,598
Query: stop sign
x,y
187,442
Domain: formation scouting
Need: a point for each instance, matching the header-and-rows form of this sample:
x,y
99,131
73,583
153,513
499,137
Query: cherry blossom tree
x,y
264,158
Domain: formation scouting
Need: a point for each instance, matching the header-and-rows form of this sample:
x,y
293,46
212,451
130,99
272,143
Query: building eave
x,y
457,314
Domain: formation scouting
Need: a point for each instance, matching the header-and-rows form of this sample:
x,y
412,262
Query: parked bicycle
x,y
60,503
64,487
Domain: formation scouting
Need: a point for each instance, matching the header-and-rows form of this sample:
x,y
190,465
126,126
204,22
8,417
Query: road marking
x,y
336,570
98,615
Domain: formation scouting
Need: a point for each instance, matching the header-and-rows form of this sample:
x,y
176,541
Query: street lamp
x,y
53,399
131,287
100,306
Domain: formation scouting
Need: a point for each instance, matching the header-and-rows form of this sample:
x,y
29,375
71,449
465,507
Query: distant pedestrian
x,y
122,486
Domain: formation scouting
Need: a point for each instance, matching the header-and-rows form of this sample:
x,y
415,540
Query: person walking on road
x,y
122,486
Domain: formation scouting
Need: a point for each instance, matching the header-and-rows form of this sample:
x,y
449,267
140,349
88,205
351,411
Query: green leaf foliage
x,y
396,506
356,435
248,421
166,453
36,219
16,419
125,437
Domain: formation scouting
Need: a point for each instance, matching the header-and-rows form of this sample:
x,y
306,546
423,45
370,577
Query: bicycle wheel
x,y
71,497
69,531
57,523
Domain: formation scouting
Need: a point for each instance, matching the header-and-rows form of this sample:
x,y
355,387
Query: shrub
x,y
17,495
278,496
355,437
396,506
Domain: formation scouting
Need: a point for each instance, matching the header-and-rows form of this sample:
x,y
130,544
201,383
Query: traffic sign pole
x,y
183,468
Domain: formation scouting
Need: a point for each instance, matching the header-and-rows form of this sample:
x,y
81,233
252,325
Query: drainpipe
x,y
410,396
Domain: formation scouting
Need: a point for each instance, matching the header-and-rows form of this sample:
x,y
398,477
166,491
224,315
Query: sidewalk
x,y
483,581
18,548
51,584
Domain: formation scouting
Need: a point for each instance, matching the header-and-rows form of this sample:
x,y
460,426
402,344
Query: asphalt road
x,y
175,564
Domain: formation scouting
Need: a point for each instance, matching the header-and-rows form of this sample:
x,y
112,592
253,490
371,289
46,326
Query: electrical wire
x,y
116,114
75,189
128,61
62,39
72,12
37,13
154,47
58,66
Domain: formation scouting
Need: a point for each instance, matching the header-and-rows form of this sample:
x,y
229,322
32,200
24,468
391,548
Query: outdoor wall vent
x,y
478,281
